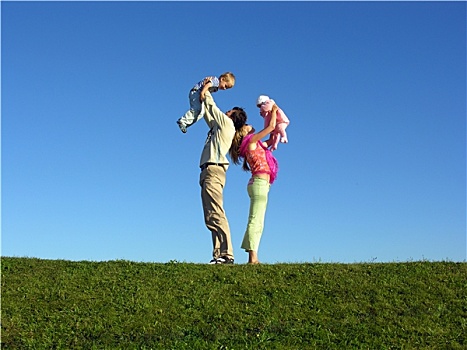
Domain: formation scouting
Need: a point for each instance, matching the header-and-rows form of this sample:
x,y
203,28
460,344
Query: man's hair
x,y
228,76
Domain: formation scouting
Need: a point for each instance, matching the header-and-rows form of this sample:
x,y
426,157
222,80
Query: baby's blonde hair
x,y
228,77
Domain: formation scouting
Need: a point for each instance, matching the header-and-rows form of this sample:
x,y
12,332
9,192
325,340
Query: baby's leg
x,y
280,129
195,112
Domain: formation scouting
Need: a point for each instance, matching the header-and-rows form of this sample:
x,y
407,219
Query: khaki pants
x,y
212,181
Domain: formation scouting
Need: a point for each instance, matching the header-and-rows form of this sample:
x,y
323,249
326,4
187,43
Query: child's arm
x,y
207,84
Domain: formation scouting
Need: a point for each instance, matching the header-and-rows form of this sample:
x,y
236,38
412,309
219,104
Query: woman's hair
x,y
239,119
234,150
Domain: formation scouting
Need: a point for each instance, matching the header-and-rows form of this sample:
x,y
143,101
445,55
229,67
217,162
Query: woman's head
x,y
238,116
248,129
242,129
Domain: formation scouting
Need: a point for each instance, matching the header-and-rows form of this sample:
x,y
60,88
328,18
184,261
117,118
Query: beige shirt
x,y
220,135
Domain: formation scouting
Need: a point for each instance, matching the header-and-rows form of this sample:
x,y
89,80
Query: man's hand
x,y
206,85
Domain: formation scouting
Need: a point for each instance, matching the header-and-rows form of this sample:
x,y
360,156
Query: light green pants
x,y
258,190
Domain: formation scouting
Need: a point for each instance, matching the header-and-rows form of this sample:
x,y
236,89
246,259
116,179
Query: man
x,y
214,164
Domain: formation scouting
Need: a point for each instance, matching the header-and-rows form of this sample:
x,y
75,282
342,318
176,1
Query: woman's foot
x,y
252,257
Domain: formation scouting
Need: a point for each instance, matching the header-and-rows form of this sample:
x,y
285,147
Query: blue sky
x,y
95,168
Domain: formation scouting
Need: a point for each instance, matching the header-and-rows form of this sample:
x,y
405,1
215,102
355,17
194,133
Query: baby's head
x,y
226,81
261,100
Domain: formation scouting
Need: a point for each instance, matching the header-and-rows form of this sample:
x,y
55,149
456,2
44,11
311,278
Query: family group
x,y
229,134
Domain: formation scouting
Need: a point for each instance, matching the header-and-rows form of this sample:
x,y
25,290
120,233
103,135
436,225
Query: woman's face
x,y
249,129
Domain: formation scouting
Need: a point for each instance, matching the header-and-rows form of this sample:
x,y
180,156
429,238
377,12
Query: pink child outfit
x,y
279,134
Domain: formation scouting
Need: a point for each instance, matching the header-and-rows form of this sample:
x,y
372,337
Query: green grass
x,y
55,304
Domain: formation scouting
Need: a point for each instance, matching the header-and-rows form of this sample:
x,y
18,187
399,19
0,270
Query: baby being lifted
x,y
264,103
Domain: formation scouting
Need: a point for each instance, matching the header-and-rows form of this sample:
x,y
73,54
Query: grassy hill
x,y
55,304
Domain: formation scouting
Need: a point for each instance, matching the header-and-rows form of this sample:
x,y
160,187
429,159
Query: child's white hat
x,y
261,99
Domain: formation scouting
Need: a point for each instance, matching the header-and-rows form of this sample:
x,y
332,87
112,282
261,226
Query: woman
x,y
258,159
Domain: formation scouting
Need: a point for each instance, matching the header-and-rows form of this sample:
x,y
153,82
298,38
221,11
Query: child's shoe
x,y
182,127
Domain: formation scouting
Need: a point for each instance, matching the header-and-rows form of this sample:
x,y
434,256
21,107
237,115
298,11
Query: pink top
x,y
260,160
257,161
